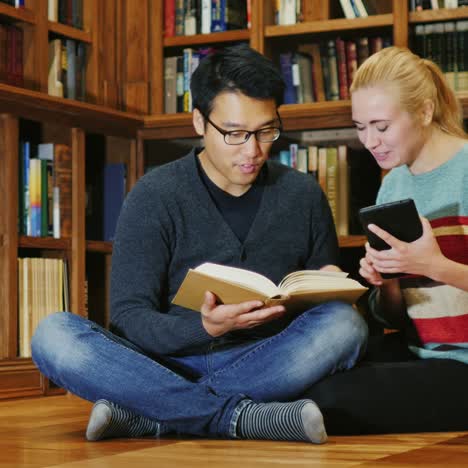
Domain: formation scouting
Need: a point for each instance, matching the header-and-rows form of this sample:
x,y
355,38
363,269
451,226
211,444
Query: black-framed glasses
x,y
238,137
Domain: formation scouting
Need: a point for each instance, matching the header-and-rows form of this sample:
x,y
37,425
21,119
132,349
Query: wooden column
x,y
8,235
134,46
78,247
156,56
400,23
91,24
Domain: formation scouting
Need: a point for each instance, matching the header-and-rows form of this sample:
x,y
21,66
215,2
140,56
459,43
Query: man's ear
x,y
198,122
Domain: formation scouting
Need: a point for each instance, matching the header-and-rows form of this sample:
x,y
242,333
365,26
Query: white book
x,y
287,12
52,10
348,9
361,8
205,16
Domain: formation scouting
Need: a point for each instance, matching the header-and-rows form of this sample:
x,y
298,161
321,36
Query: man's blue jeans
x,y
202,394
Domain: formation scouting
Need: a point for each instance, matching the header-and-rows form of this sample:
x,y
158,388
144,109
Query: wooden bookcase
x,y
321,20
65,121
124,107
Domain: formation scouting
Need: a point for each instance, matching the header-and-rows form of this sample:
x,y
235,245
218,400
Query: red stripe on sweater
x,y
443,330
454,247
450,221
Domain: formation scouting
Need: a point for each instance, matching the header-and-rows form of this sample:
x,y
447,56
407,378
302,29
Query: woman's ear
x,y
427,112
198,122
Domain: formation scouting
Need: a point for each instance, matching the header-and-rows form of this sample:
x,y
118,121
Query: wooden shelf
x,y
332,25
35,105
352,241
48,243
201,39
444,14
17,14
69,32
99,246
329,114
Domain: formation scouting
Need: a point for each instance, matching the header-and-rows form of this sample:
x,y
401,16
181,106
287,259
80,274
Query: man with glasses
x,y
235,370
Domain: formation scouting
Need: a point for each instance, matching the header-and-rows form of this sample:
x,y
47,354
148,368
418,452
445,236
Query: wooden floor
x,y
49,432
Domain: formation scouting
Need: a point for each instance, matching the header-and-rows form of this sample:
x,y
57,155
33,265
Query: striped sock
x,y
107,420
300,420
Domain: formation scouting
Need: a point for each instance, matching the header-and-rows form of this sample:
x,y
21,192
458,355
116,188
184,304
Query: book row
x,y
177,73
292,11
15,3
45,190
69,12
67,69
323,71
45,193
445,43
42,289
340,171
419,5
189,17
11,55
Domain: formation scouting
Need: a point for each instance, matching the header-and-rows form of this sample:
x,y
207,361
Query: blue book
x,y
290,93
113,195
26,149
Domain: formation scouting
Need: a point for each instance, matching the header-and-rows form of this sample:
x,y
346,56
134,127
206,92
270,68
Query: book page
x,y
317,280
240,276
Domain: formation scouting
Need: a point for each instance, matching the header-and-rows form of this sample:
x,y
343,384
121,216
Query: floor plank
x,y
49,432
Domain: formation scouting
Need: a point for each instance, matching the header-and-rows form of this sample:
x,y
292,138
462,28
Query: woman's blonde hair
x,y
417,81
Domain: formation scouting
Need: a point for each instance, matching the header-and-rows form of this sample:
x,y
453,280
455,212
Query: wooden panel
x,y
136,97
443,14
136,40
400,26
48,243
140,155
135,52
91,24
213,38
257,28
78,272
26,15
19,378
39,106
70,32
132,165
99,246
8,235
376,21
316,10
108,51
156,57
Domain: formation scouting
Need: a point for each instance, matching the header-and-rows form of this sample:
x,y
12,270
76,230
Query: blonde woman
x,y
409,119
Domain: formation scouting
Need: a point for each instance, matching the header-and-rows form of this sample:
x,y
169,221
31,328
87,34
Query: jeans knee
x,y
51,335
348,326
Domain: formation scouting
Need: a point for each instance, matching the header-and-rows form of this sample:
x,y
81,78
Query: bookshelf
x,y
28,112
321,20
123,118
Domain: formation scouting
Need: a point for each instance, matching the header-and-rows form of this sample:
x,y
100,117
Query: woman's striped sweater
x,y
439,312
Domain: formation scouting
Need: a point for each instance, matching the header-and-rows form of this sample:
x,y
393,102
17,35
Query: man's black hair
x,y
235,68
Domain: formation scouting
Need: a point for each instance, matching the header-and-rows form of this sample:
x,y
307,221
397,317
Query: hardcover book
x,y
297,291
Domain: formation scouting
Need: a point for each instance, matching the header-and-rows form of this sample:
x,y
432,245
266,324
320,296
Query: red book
x,y
169,18
351,60
342,68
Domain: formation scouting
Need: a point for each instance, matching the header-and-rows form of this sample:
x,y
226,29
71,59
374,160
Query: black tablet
x,y
399,218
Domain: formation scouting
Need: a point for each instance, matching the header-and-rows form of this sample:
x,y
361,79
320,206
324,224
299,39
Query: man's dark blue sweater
x,y
169,223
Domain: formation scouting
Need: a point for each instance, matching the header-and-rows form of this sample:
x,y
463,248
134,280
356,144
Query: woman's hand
x,y
414,258
368,272
220,319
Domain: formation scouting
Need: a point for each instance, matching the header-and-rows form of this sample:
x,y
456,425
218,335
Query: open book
x,y
297,291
